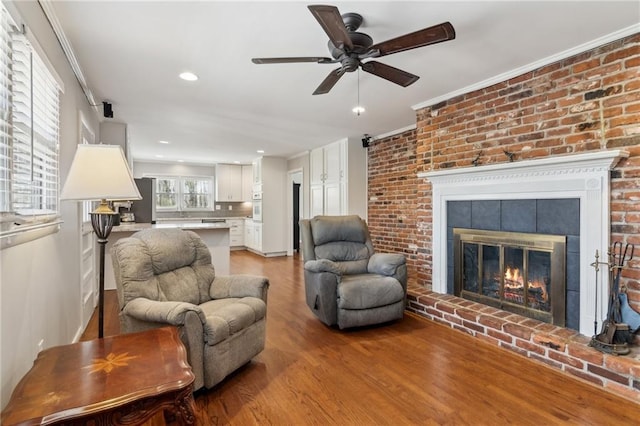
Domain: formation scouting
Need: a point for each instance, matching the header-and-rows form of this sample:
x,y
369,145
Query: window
x,y
183,193
29,131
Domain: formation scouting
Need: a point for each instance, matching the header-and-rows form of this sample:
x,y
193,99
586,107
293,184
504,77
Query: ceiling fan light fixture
x,y
358,109
188,76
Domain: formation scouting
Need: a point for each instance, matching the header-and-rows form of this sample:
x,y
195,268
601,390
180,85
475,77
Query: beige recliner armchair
x,y
346,283
165,277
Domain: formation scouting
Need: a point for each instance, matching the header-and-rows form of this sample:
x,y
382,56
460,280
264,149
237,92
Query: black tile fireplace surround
x,y
545,216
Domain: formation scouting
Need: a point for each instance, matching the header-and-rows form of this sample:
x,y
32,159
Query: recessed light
x,y
260,151
188,76
159,156
164,142
236,162
180,161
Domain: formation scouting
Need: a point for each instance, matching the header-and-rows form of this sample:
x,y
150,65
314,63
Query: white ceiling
x,y
132,52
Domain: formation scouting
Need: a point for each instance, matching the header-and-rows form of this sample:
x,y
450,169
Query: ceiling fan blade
x,y
316,59
432,35
332,24
390,73
328,83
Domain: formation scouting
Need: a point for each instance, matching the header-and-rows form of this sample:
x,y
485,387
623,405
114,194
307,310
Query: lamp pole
x,y
102,221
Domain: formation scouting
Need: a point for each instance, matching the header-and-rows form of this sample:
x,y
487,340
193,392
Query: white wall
x,y
357,178
40,280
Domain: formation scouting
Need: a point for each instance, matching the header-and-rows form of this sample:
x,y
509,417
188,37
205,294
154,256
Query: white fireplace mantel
x,y
583,176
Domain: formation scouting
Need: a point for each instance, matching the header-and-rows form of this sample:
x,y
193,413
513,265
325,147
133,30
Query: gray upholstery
x,y
346,283
165,277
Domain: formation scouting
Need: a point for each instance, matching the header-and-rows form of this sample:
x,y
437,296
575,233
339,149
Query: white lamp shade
x,y
99,172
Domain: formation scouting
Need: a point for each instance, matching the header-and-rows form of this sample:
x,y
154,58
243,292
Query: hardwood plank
x,y
412,371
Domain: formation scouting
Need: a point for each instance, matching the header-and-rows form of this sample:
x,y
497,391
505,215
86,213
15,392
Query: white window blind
x,y
29,136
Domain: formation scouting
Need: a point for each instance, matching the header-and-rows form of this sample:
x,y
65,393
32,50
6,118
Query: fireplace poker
x,y
596,264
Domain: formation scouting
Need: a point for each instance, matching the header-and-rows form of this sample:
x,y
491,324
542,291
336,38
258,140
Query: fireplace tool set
x,y
622,321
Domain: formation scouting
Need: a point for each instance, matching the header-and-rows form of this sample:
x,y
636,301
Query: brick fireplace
x,y
583,177
585,104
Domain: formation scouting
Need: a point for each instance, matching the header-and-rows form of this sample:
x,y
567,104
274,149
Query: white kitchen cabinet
x,y
229,183
236,232
338,179
248,233
257,237
247,182
327,188
257,171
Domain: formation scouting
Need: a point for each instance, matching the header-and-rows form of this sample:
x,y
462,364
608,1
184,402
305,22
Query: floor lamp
x,y
100,172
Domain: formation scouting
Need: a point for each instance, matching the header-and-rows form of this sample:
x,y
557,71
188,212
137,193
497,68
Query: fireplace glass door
x,y
521,273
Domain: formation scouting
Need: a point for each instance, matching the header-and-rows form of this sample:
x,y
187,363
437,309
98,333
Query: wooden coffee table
x,y
117,380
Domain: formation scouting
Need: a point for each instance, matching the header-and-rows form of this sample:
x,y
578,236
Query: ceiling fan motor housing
x,y
361,44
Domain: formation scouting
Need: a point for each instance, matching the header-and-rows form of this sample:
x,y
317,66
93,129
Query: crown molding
x,y
49,11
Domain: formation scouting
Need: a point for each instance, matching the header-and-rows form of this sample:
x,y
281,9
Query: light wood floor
x,y
409,372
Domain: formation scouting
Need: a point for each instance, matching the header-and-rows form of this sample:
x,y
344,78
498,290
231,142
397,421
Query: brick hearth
x,y
557,347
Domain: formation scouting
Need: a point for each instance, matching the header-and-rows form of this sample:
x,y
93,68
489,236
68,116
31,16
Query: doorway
x,y
295,210
296,217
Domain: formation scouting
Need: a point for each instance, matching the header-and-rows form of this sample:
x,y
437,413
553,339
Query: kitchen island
x,y
214,235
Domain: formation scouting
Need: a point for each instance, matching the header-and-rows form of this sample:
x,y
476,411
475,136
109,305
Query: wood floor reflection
x,y
408,372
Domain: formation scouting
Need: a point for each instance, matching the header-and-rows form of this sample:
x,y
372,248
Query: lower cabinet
x,y
253,235
248,233
236,233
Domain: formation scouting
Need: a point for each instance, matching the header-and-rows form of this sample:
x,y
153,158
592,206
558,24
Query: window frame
x,y
179,194
34,137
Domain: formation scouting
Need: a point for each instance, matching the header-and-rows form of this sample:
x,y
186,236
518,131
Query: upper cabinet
x,y
247,182
257,171
229,183
338,179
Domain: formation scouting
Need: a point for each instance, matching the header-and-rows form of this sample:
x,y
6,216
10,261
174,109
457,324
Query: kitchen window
x,y
29,132
182,193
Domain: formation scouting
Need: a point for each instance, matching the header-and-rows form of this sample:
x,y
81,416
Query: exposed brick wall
x,y
587,102
392,181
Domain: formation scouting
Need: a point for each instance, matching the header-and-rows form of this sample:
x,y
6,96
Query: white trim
x,y
532,66
582,176
396,132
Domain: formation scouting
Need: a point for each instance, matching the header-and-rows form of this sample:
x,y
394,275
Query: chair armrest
x,y
385,263
239,286
173,313
322,265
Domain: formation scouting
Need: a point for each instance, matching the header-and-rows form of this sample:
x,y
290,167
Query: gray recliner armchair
x,y
346,283
165,277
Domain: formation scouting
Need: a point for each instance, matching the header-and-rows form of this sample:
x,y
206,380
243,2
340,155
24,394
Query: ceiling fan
x,y
349,48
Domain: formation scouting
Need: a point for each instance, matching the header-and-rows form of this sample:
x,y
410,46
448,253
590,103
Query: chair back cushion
x,y
342,239
164,265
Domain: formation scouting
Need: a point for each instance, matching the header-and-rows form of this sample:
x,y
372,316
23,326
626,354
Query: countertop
x,y
134,227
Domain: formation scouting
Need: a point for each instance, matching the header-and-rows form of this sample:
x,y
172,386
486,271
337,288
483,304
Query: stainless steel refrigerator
x,y
145,209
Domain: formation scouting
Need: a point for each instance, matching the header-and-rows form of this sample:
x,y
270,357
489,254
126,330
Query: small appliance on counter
x,y
123,208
